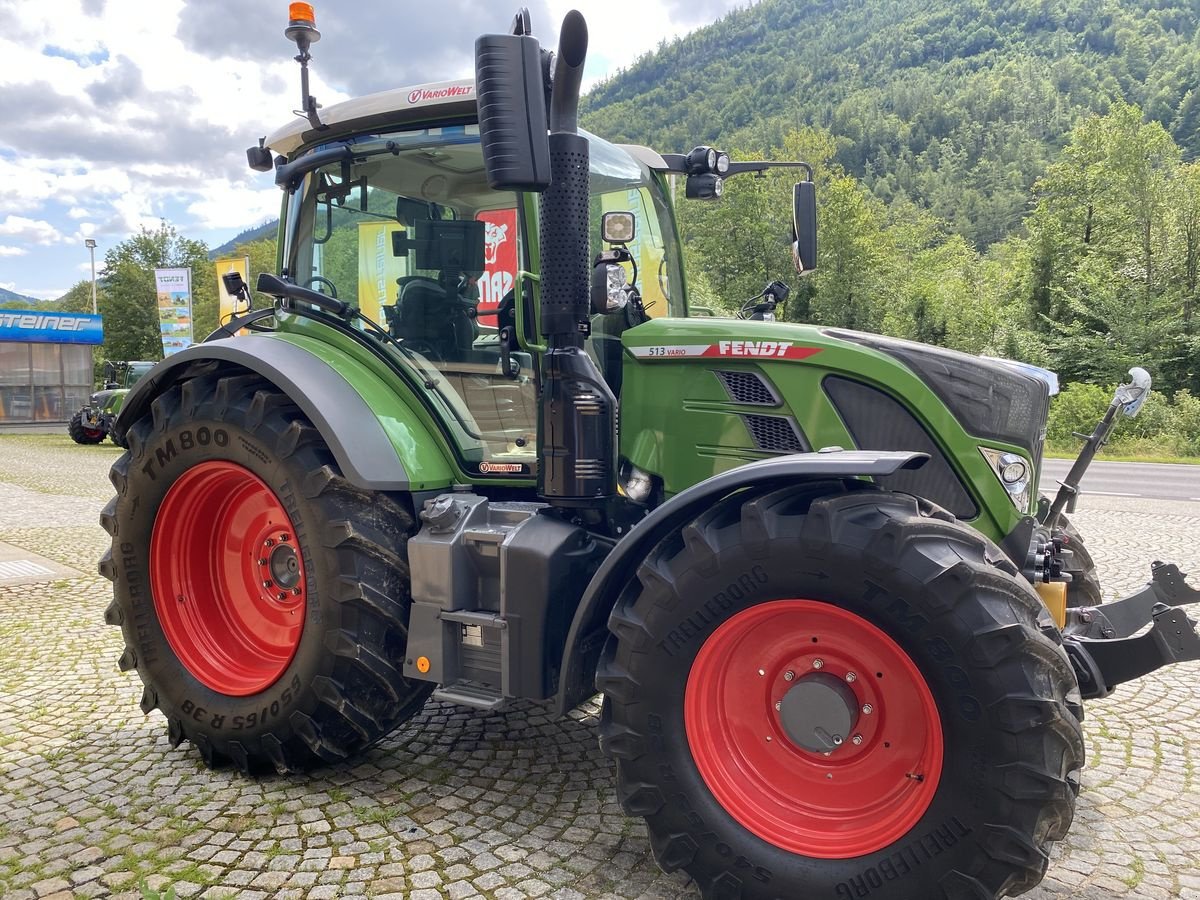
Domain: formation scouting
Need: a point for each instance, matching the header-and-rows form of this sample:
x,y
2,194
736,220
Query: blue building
x,y
45,364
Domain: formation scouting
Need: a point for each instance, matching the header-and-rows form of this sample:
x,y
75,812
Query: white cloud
x,y
34,231
227,207
117,113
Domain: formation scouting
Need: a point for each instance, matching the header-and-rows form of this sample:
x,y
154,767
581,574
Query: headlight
x,y
1014,472
635,483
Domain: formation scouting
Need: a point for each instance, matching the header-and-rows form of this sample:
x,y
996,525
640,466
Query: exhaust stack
x,y
577,413
577,410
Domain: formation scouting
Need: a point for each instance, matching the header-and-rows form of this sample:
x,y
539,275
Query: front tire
x,y
955,782
83,434
262,597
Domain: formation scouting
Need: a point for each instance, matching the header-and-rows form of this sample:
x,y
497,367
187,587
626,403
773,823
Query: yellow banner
x,y
231,306
378,269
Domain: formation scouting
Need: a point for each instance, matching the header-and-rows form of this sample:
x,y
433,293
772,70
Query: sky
x,y
116,114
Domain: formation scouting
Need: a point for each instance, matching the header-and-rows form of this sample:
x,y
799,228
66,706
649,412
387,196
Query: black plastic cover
x,y
990,399
512,112
877,421
576,419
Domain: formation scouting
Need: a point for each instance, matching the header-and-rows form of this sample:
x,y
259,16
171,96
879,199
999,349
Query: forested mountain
x,y
13,299
958,105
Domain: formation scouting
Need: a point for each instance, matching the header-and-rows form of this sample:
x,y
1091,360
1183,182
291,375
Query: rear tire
x,y
305,671
684,697
82,434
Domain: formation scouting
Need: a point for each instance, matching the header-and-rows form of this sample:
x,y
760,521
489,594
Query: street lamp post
x,y
91,245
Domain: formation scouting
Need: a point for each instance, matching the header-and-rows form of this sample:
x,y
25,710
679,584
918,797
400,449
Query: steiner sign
x,y
50,327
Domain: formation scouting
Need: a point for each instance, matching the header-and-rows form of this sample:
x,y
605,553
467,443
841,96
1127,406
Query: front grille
x,y
748,388
776,434
877,421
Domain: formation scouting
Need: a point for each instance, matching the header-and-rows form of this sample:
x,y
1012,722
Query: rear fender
x,y
379,446
589,628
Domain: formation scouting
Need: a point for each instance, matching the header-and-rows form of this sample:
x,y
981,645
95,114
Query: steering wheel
x,y
325,281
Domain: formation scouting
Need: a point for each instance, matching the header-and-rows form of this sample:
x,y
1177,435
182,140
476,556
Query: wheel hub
x,y
285,566
819,712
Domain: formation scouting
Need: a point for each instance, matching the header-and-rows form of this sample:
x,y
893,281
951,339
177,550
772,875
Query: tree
x,y
129,304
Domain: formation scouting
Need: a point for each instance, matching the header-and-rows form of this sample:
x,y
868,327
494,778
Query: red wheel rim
x,y
860,796
227,578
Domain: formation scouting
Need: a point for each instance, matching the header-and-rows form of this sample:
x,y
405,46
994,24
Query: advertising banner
x,y
50,327
500,261
174,289
230,306
378,269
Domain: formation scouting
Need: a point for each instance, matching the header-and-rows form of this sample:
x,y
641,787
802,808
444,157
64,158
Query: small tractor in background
x,y
826,672
93,423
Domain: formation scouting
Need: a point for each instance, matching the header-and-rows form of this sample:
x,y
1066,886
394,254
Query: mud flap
x,y
1101,641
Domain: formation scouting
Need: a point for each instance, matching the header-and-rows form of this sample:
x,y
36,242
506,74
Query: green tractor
x,y
93,423
810,574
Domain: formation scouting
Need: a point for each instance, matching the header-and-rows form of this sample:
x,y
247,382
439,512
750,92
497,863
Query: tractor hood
x,y
740,389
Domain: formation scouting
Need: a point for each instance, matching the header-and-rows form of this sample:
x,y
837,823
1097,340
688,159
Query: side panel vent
x,y
877,421
749,388
776,434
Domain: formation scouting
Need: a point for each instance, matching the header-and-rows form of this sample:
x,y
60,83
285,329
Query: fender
x,y
399,457
589,627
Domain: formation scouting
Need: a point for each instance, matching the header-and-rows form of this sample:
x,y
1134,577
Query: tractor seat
x,y
426,314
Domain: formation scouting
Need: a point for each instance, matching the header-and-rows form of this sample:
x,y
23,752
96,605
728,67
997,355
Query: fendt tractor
x,y
842,643
92,423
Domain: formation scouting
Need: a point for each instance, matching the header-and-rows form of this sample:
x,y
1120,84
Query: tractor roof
x,y
399,106
402,106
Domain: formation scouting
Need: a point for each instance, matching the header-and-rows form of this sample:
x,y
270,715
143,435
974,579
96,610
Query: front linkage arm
x,y
1128,399
1100,642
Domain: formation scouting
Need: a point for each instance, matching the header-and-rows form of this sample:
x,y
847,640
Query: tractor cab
x,y
404,226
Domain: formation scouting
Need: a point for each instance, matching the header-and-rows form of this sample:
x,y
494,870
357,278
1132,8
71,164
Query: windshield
x,y
408,230
620,183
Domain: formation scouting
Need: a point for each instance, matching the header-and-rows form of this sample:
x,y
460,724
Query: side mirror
x,y
1131,396
804,223
512,112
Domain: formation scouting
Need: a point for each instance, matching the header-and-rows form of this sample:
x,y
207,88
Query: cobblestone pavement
x,y
455,804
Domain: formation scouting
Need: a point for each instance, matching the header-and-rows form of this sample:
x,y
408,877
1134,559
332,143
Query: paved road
x,y
456,804
1155,481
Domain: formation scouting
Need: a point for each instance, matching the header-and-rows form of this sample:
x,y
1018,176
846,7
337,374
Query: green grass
x,y
1105,456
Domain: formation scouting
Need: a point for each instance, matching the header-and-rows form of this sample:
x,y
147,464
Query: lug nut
x,y
851,677
262,562
789,675
268,584
778,703
818,663
868,709
296,591
269,542
837,740
856,740
283,537
282,595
